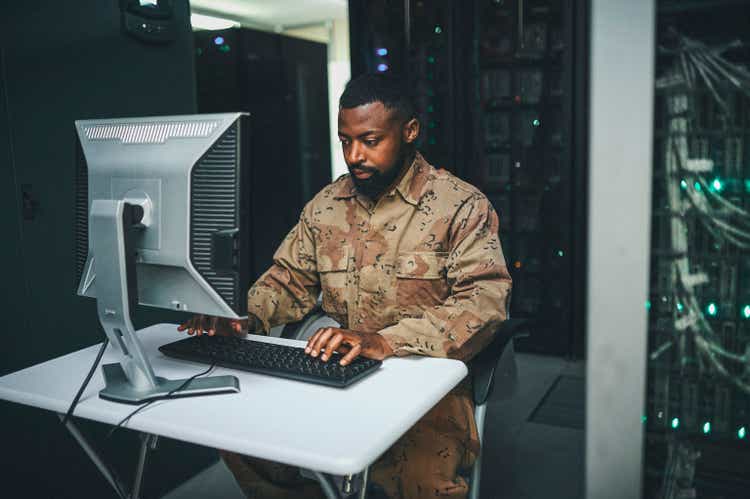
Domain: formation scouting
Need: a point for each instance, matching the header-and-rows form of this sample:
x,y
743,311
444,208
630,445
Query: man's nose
x,y
355,154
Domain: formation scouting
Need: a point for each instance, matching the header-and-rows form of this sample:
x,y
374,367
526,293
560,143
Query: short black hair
x,y
391,90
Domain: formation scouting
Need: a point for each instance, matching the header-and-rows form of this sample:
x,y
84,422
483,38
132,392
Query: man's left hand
x,y
327,340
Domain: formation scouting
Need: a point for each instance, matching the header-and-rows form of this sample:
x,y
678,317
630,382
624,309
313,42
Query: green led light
x,y
683,183
560,253
717,184
675,423
431,60
711,309
746,311
680,307
432,141
697,186
747,184
706,428
536,122
648,304
430,108
741,433
643,419
438,29
224,48
432,124
199,51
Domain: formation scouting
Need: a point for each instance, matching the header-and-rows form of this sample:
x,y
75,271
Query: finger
x,y
212,326
333,345
351,355
204,322
191,325
311,341
321,342
187,325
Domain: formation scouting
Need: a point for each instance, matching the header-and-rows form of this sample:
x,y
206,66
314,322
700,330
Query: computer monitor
x,y
163,220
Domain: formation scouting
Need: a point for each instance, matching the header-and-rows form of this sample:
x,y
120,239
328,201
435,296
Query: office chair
x,y
494,365
496,362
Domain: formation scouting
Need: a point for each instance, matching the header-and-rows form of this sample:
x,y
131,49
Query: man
x,y
409,262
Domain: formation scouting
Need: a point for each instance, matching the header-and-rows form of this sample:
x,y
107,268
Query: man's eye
x,y
343,141
371,143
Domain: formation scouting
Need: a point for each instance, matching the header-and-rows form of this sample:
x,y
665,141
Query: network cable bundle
x,y
698,410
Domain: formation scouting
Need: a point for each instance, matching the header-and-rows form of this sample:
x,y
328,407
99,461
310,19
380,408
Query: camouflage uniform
x,y
422,267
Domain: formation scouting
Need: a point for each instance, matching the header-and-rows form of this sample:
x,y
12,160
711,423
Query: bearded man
x,y
409,262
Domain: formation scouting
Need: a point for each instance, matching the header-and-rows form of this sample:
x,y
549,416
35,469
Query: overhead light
x,y
201,21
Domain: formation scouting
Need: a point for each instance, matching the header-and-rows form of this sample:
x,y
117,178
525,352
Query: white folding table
x,y
330,431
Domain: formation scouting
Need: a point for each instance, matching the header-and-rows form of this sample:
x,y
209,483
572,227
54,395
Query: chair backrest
x,y
495,365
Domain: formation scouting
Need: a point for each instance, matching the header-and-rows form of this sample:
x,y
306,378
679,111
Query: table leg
x,y
330,485
327,484
148,443
106,472
365,479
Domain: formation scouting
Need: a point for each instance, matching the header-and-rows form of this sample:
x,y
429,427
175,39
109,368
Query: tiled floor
x,y
522,460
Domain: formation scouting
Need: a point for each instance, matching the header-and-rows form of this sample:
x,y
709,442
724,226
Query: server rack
x,y
497,85
698,390
282,82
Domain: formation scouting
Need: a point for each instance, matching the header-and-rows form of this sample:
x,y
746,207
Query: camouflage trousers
x,y
424,462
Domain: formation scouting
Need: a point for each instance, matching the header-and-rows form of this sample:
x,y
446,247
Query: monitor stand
x,y
132,380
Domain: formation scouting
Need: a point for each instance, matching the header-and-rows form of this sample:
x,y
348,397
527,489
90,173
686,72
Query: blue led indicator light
x,y
219,40
382,67
382,51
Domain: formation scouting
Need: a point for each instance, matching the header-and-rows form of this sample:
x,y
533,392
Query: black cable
x,y
163,397
73,404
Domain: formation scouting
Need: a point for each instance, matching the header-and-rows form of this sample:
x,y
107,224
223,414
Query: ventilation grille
x,y
81,222
215,206
150,133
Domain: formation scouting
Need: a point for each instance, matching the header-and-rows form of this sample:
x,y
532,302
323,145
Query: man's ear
x,y
411,130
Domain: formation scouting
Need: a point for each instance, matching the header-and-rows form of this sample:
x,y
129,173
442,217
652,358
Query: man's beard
x,y
378,182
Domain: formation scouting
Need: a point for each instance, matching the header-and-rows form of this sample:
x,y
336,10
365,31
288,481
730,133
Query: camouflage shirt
x,y
422,266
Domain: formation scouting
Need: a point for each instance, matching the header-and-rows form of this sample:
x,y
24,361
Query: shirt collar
x,y
412,185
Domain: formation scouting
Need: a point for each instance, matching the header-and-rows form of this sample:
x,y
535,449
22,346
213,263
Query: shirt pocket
x,y
334,278
421,281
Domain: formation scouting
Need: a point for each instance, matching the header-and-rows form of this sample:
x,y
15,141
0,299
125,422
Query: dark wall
x,y
62,61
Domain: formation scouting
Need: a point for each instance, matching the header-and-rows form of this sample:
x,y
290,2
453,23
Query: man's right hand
x,y
210,325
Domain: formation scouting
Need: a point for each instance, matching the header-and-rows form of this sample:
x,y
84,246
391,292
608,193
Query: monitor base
x,y
119,389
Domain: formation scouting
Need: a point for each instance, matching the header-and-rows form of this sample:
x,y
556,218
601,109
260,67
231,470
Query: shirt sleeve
x,y
480,288
289,289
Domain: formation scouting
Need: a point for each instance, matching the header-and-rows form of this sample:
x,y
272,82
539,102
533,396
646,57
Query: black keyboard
x,y
268,358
